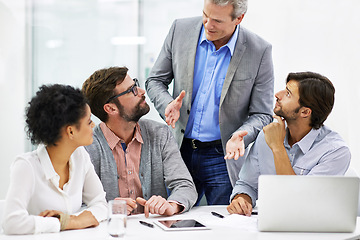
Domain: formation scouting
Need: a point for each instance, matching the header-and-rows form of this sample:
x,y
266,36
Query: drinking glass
x,y
117,218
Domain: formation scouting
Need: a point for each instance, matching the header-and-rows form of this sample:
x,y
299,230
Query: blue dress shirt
x,y
320,152
209,74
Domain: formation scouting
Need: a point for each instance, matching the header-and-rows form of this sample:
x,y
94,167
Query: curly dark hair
x,y
52,108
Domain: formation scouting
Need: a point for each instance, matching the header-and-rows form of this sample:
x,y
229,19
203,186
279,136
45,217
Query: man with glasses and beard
x,y
136,160
297,143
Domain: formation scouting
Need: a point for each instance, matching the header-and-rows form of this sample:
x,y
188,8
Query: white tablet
x,y
180,225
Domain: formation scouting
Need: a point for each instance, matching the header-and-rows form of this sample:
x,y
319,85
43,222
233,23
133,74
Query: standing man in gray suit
x,y
136,159
223,89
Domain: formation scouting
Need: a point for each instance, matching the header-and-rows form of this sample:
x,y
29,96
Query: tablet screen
x,y
183,224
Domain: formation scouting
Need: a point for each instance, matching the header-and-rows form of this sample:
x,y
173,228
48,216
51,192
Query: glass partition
x,y
73,38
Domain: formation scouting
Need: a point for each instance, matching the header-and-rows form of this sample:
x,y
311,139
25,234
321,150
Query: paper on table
x,y
237,221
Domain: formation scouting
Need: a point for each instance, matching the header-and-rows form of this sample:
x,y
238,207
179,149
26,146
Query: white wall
x,y
12,86
315,35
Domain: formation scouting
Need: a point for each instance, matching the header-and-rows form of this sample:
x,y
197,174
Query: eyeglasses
x,y
133,89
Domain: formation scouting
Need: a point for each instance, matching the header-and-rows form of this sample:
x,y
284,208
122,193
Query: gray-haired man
x,y
223,92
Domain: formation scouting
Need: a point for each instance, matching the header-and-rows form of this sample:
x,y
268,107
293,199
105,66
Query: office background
x,y
65,41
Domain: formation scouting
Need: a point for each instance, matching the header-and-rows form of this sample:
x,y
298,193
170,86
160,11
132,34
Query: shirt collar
x,y
307,141
114,140
230,44
47,166
46,162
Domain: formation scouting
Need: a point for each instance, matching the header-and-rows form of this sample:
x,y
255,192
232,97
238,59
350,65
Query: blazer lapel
x,y
190,57
234,63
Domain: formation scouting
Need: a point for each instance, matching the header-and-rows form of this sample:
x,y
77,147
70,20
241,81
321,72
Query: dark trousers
x,y
208,170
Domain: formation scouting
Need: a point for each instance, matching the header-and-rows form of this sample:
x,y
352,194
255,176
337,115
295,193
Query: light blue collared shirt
x,y
320,152
209,74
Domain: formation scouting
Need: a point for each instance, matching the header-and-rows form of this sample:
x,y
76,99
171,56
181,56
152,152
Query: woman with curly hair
x,y
49,185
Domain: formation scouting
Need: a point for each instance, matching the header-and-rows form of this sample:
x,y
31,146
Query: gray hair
x,y
240,6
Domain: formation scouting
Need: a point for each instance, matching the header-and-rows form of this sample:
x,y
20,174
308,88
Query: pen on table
x,y
217,214
146,224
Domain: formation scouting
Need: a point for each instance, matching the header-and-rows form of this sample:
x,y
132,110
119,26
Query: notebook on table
x,y
307,203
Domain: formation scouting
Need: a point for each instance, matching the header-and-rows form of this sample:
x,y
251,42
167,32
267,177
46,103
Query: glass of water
x,y
117,218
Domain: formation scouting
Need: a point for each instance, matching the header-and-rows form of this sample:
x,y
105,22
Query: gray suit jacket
x,y
247,95
161,165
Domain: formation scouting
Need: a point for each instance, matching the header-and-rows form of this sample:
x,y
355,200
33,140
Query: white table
x,y
218,231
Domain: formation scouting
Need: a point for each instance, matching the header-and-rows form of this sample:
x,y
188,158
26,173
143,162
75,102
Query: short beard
x,y
136,114
288,117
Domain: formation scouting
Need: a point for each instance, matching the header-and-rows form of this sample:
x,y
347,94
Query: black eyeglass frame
x,y
133,89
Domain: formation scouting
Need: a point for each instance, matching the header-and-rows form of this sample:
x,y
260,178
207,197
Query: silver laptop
x,y
307,203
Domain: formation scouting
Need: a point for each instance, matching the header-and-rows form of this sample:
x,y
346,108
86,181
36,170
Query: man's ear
x,y
239,19
110,108
306,112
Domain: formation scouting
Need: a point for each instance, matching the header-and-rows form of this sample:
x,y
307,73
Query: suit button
x,y
182,131
188,111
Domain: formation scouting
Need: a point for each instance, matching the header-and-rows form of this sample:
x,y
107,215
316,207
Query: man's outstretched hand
x,y
172,111
235,147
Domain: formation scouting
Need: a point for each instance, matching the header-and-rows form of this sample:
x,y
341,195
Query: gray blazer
x,y
247,95
161,165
